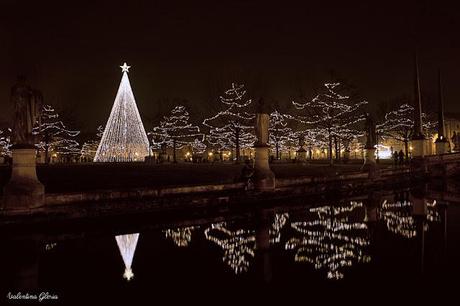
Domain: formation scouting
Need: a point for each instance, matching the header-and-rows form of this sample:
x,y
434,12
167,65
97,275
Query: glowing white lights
x,y
176,131
124,138
53,134
330,240
233,127
127,246
180,236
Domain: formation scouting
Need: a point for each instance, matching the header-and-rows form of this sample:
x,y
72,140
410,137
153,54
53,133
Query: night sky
x,y
71,50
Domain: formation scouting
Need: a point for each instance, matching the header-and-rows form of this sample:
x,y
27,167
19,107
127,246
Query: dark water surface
x,y
390,246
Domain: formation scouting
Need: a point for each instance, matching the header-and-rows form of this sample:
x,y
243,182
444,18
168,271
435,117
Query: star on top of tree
x,y
125,68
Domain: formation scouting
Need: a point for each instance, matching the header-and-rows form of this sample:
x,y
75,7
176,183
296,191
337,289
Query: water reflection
x,y
331,238
127,246
399,216
180,236
238,245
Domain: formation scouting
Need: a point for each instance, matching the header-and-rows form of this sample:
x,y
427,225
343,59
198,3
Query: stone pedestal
x,y
370,156
301,154
264,178
442,146
418,147
24,191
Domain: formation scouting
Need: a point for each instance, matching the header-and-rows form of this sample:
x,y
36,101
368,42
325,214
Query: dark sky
x,y
71,50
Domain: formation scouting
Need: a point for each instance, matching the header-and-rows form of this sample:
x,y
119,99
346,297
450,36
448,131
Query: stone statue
x,y
371,140
27,105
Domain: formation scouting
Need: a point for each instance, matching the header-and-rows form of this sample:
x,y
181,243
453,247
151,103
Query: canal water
x,y
393,246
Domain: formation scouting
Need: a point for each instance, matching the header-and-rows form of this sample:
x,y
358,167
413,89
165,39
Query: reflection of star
x,y
125,68
128,274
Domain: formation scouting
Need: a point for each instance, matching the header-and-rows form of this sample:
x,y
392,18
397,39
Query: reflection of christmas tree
x,y
399,220
124,137
232,128
127,246
331,240
180,236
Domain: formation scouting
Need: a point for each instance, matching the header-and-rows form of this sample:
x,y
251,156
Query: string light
x,y
175,130
89,148
399,124
124,138
127,246
233,127
53,134
331,114
330,240
180,236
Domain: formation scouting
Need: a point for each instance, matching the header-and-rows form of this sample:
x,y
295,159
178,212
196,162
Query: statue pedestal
x,y
301,155
24,191
370,156
442,146
418,147
264,178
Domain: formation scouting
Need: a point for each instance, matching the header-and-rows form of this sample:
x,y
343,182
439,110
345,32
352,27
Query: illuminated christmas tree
x,y
334,113
233,127
127,246
54,136
330,239
176,131
124,138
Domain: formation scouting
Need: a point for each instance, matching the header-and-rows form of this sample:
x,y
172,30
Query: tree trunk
x,y
331,162
336,146
277,150
47,143
237,145
406,148
174,151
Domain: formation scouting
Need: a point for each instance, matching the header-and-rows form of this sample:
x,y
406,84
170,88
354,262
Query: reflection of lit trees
x,y
239,245
278,223
330,239
127,246
399,220
180,236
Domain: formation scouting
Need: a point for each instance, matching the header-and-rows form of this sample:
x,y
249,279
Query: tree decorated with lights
x,y
176,131
281,136
127,246
5,142
334,113
399,125
53,135
330,239
89,148
124,138
233,127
